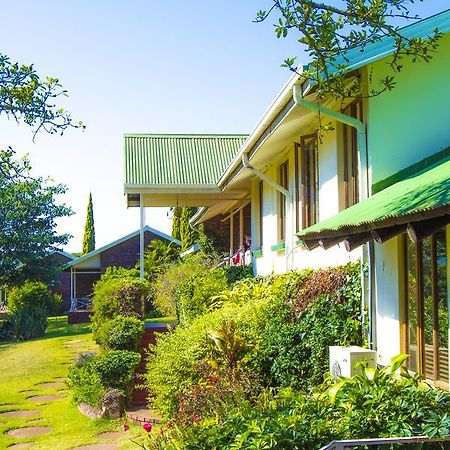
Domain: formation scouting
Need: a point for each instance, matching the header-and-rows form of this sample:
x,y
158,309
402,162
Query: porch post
x,y
231,235
75,288
71,288
141,237
241,228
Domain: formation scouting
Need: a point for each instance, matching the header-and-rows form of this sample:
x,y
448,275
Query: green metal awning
x,y
178,169
172,159
421,196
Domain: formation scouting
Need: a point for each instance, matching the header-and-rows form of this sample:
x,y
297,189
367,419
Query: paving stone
x,y
28,432
111,435
45,398
21,413
106,446
24,445
53,384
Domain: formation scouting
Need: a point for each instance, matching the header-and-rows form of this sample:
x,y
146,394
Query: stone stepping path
x,y
28,432
51,384
111,435
45,398
98,447
24,445
21,413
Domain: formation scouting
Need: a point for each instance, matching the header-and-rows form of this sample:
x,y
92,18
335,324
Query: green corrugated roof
x,y
171,159
427,193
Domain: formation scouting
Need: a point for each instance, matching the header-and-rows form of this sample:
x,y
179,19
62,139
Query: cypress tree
x,y
187,235
176,222
89,231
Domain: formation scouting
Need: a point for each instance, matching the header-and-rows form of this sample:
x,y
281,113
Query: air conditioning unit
x,y
343,360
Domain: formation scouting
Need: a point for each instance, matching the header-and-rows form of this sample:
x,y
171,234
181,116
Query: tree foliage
x,y
176,222
188,236
89,230
28,211
158,257
24,96
332,30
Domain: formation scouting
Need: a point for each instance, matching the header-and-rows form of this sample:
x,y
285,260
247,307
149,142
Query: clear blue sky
x,y
140,66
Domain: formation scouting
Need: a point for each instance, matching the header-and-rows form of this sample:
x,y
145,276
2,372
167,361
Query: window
x,y
310,180
261,213
350,156
283,175
427,308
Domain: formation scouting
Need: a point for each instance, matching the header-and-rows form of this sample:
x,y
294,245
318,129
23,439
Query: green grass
x,y
169,319
24,365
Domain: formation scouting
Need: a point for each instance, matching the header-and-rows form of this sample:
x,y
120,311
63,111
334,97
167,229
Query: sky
x,y
140,66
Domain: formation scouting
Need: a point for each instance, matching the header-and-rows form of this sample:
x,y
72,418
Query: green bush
x,y
173,366
303,322
288,345
28,308
376,403
85,383
124,296
121,333
238,273
194,296
166,284
116,368
94,375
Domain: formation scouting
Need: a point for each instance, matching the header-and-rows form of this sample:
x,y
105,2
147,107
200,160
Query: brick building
x,y
81,273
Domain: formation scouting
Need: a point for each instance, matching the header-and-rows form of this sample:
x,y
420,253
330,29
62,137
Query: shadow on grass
x,y
57,327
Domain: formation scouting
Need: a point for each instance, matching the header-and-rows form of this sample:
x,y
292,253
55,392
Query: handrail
x,y
341,445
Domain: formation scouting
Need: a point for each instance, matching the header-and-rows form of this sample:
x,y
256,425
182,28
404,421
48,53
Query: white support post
x,y
75,289
231,235
141,237
71,289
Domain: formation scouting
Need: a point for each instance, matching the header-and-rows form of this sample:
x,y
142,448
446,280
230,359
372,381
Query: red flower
x,y
147,427
125,427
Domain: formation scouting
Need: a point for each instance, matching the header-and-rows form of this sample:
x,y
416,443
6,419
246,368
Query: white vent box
x,y
343,360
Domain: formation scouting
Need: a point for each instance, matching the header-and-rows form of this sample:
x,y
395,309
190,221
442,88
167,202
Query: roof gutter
x,y
360,127
368,300
264,177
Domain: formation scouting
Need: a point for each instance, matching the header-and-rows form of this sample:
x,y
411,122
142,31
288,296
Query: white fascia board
x,y
119,241
277,105
170,188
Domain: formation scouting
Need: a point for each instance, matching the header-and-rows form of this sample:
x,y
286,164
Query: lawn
x,y
25,365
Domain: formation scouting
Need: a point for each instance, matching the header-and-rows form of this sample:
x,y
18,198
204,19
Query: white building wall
x,y
387,283
293,256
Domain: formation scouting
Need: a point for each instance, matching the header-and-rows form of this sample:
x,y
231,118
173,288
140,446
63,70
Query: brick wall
x,y
220,231
125,254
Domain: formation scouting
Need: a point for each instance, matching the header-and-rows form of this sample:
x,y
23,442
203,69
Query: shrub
x,y
300,326
376,403
85,382
286,346
166,285
93,375
194,296
117,296
173,366
116,368
238,273
121,333
28,308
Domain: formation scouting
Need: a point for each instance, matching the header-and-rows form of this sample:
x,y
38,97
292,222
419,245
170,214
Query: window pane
x,y
427,261
442,304
412,305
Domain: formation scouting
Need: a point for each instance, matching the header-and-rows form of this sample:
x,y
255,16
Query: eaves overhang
x,y
271,119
